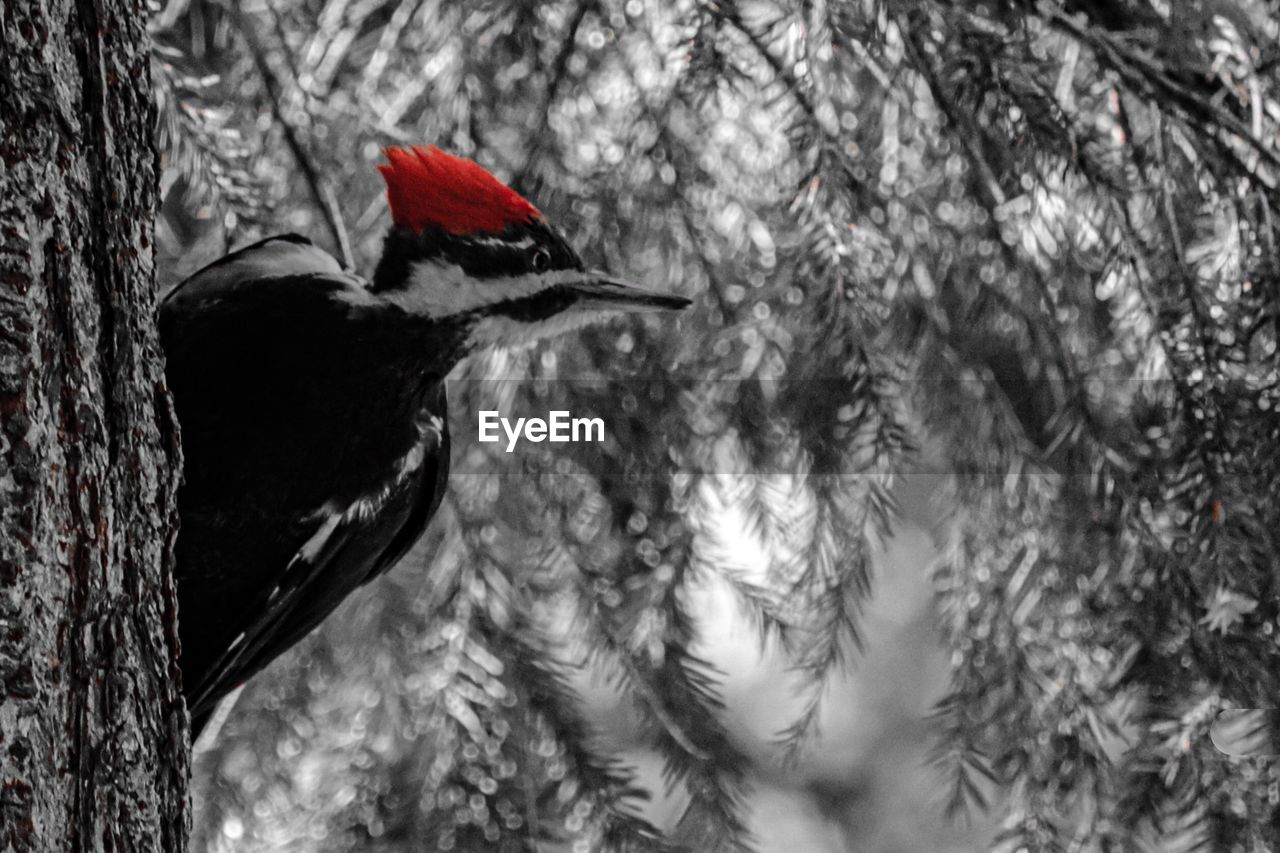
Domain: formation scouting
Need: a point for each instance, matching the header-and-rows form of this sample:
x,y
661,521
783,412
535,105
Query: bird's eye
x,y
541,261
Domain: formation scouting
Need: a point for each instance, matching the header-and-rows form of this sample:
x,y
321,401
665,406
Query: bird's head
x,y
466,247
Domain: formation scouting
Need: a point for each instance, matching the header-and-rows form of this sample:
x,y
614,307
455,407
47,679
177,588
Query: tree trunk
x,y
93,752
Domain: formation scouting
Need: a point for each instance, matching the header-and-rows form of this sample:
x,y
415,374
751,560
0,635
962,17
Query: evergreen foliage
x,y
1031,244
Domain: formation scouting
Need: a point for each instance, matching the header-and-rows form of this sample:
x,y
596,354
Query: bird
x,y
311,401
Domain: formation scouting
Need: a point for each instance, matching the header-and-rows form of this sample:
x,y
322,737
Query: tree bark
x,y
93,752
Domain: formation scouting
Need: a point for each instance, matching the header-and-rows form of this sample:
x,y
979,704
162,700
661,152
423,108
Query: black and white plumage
x,y
312,405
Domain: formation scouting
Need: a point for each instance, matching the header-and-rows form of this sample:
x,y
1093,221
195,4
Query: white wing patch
x,y
313,546
301,568
366,507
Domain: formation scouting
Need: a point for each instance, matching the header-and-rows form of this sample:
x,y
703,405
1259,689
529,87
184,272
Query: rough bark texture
x,y
93,749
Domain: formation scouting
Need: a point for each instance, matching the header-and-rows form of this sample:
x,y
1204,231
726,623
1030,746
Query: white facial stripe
x,y
440,290
498,242
437,289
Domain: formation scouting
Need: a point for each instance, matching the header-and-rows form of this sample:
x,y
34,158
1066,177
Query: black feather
x,y
295,406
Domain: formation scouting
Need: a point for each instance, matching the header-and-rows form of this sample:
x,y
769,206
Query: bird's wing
x,y
346,547
281,255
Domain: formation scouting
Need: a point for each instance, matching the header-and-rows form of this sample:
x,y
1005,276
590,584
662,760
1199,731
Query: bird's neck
x,y
400,251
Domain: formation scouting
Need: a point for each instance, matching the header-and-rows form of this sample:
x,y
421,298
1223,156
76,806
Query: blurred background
x,y
945,520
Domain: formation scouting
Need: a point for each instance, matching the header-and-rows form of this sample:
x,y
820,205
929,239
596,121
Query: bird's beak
x,y
602,291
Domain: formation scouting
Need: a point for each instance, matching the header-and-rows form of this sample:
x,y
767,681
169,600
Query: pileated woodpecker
x,y
312,403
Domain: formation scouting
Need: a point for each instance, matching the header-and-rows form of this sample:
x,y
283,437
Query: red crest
x,y
428,188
